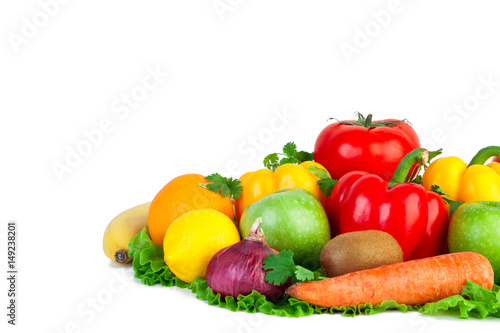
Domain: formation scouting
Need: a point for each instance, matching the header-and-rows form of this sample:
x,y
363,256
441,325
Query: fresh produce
x,y
411,283
150,269
475,226
194,238
125,225
354,251
433,239
292,219
183,194
382,218
337,197
237,269
434,236
463,182
258,184
366,145
367,202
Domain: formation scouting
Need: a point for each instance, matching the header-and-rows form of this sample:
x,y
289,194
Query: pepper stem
x,y
484,154
419,155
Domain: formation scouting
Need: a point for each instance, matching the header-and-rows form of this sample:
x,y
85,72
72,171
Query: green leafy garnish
x,y
281,267
479,300
224,186
325,183
453,204
150,268
289,155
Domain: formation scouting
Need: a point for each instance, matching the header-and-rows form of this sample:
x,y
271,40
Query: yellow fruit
x,y
179,196
194,238
125,225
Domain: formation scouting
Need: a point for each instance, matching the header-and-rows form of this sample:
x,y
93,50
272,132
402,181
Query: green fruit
x,y
475,226
294,220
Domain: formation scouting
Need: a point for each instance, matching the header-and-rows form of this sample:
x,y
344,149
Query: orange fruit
x,y
181,195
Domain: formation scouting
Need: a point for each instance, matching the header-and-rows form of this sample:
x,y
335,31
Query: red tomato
x,y
373,146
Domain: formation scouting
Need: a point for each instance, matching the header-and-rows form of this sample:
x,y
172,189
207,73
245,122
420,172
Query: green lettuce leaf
x,y
478,300
148,263
150,268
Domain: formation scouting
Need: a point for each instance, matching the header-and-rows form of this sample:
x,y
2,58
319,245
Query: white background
x,y
231,69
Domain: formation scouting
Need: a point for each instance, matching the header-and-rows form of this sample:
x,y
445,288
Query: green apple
x,y
292,219
475,227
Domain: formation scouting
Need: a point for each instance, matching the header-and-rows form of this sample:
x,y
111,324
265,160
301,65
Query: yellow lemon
x,y
194,238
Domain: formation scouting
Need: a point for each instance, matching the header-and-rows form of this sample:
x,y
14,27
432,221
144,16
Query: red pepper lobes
x,y
416,218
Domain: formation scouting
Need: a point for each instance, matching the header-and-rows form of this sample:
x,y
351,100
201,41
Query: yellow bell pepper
x,y
260,183
464,182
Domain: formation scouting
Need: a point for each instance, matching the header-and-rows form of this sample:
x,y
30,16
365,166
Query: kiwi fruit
x,y
354,251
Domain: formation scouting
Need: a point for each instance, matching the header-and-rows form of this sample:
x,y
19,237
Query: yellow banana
x,y
125,225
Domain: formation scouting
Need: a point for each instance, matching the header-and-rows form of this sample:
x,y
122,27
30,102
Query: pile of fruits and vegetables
x,y
369,221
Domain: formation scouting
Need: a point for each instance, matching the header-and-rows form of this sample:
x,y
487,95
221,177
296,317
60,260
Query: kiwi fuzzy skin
x,y
358,250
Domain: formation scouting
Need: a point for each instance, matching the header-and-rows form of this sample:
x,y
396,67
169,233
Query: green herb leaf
x,y
281,267
290,155
290,149
303,156
303,274
438,190
271,161
325,183
288,160
318,172
453,204
224,186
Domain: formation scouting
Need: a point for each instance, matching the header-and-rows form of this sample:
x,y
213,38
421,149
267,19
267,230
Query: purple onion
x,y
237,269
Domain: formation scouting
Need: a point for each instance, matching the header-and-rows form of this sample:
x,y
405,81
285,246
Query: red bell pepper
x,y
416,218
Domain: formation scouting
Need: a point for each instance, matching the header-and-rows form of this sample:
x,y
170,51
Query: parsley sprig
x,y
289,155
224,186
281,267
325,183
453,204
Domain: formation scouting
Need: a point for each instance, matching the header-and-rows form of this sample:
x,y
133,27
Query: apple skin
x,y
292,219
475,227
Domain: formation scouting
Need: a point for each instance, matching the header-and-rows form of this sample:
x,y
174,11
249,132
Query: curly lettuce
x,y
150,268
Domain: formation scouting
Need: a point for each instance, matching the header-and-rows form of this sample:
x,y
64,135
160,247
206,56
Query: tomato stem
x,y
484,154
419,155
368,121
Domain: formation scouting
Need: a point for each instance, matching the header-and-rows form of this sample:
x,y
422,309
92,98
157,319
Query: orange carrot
x,y
411,282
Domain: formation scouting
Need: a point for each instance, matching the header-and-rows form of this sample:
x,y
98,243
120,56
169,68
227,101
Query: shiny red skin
x,y
416,218
336,198
341,148
433,240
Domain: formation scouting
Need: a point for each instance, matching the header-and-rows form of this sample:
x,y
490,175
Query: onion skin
x,y
237,269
